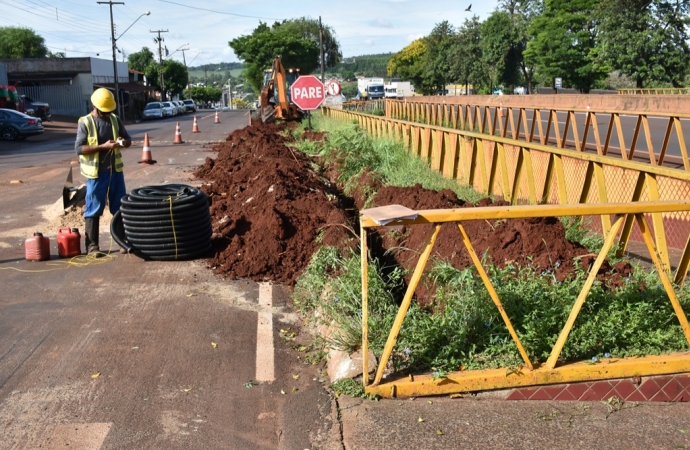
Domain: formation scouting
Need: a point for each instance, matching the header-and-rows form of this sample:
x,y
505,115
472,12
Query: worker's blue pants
x,y
109,186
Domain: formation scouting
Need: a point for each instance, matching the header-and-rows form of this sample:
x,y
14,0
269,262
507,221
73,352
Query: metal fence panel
x,y
66,100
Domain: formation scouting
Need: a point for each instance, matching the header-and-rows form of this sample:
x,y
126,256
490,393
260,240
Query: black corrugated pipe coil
x,y
166,223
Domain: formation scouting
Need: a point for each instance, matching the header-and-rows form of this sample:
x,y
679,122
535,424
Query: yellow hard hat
x,y
103,100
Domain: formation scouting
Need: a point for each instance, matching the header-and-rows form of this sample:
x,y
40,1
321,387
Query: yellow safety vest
x,y
89,163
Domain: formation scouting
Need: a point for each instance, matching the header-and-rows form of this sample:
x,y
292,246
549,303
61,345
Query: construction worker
x,y
100,136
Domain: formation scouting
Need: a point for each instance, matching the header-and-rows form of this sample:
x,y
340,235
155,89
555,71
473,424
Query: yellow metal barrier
x,y
581,130
529,374
654,91
533,173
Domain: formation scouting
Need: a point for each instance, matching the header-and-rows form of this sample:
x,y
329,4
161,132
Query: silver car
x,y
153,110
181,108
170,109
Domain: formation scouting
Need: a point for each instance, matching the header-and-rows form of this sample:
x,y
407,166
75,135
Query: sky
x,y
198,33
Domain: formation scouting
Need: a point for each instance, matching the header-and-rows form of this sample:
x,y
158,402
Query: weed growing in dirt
x,y
337,297
350,388
463,328
355,151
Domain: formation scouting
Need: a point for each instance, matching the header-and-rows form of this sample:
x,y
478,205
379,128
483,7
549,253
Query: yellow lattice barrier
x,y
528,374
523,172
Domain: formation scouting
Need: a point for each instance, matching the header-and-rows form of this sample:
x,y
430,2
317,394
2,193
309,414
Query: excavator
x,y
275,95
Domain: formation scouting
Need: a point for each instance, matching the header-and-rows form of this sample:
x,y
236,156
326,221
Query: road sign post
x,y
307,93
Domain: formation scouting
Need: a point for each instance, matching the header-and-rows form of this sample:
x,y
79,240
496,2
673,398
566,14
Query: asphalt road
x,y
124,353
657,132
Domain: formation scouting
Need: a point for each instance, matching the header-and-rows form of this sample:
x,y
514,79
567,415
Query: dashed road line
x,y
265,372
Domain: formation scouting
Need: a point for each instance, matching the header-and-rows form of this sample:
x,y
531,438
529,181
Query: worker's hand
x,y
122,142
110,145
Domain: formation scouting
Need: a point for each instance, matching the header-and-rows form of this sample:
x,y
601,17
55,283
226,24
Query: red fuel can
x,y
37,247
69,242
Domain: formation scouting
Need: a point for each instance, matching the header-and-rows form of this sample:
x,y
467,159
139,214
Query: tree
x,y
140,60
145,61
646,40
292,40
466,56
203,94
16,42
522,13
499,49
437,62
309,29
176,76
408,64
563,44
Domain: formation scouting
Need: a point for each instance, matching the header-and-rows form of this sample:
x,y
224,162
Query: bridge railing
x,y
655,138
529,172
654,91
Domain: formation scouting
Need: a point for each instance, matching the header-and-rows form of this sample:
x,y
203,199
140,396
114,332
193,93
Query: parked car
x,y
154,110
189,105
17,125
34,108
181,108
170,110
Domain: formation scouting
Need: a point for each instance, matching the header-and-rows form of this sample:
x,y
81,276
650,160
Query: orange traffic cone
x,y
195,127
146,153
217,119
178,135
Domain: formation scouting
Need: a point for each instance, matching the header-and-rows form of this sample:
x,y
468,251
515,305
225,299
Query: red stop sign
x,y
307,92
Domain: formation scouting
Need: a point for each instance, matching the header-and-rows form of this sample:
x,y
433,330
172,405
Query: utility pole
x,y
184,61
159,41
323,63
112,38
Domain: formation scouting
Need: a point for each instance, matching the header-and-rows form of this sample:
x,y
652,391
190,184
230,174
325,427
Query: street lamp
x,y
200,52
112,37
178,50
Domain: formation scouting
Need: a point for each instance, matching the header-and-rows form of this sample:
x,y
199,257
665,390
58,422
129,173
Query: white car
x,y
181,108
170,110
154,110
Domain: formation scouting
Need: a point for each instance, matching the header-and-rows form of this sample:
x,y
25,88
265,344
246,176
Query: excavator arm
x,y
275,103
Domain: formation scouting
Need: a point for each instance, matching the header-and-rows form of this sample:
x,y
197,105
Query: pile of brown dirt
x,y
269,204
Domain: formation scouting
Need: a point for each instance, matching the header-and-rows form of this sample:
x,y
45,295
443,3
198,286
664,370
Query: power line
x,y
217,12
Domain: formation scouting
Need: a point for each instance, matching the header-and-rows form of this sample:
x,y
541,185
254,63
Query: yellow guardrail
x,y
654,91
533,173
529,374
579,125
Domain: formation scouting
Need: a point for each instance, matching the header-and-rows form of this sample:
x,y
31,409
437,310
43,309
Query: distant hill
x,y
224,66
366,65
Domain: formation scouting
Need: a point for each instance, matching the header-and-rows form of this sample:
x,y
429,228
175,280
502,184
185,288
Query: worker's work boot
x,y
91,236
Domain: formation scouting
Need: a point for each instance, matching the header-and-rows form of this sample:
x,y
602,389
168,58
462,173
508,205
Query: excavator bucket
x,y
268,109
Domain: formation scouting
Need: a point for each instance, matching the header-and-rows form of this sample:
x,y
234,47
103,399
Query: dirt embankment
x,y
271,202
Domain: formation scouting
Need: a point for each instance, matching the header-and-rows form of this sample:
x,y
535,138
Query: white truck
x,y
398,89
370,88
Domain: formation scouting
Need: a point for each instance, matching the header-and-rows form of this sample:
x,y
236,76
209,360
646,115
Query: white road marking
x,y
264,336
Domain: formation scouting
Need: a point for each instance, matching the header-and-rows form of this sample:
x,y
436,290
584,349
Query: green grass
x,y
463,328
355,152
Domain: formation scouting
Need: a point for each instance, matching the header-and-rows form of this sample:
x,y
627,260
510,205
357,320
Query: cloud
x,y
414,37
368,42
380,22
